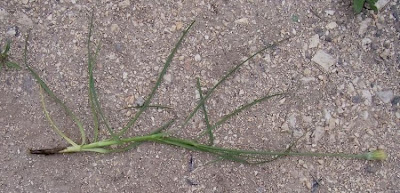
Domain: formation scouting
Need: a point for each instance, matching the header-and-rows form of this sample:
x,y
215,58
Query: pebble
x,y
331,25
324,59
24,20
114,27
330,12
178,25
367,96
397,114
124,4
364,25
366,43
242,21
395,101
318,134
314,41
385,96
292,121
3,13
307,79
168,78
124,75
197,58
139,101
381,3
12,31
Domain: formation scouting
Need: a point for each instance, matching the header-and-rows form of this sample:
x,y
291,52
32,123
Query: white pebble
x,y
197,58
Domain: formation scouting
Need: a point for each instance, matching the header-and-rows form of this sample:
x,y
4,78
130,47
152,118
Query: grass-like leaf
x,y
158,136
159,80
230,72
13,65
209,128
4,60
93,99
53,125
52,95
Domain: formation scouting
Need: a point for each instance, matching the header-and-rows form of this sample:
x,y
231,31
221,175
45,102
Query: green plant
x,y
359,4
4,61
117,142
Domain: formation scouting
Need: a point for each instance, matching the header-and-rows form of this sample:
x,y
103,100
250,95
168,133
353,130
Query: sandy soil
x,y
341,71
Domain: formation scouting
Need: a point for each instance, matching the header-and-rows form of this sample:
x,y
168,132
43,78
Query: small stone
x,y
307,79
318,134
168,78
366,43
381,3
364,25
25,1
367,96
129,100
397,114
314,41
386,54
330,12
178,25
331,25
124,75
325,60
356,99
3,13
320,162
308,184
242,21
197,58
307,72
241,92
370,132
385,96
139,101
12,31
114,27
395,101
24,20
292,121
124,4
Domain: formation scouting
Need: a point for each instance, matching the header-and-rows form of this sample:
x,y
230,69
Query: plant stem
x,y
191,145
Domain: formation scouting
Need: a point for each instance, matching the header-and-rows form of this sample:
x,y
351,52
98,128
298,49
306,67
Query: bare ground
x,y
346,101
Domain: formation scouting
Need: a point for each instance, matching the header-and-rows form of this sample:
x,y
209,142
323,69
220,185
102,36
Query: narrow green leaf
x,y
7,48
226,76
52,95
240,109
159,80
13,65
53,125
93,99
209,129
150,106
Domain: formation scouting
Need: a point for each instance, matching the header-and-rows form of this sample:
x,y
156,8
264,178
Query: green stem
x,y
191,145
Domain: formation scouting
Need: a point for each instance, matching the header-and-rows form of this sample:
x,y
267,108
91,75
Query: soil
x,y
340,70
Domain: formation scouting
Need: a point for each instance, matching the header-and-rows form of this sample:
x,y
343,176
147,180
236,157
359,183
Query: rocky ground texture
x,y
341,71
